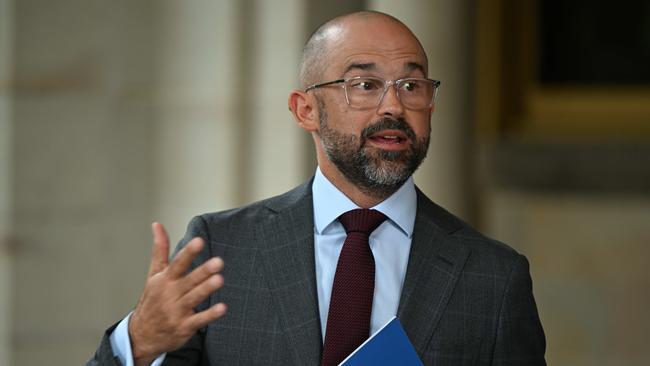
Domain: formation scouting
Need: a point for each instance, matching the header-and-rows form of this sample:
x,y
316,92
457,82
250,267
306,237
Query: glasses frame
x,y
387,84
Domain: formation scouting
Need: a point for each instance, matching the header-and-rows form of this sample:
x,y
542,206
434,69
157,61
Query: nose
x,y
389,104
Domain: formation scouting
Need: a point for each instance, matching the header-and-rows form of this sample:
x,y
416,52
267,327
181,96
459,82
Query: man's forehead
x,y
375,57
407,66
371,44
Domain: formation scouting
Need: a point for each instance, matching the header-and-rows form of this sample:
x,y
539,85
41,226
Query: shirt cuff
x,y
121,344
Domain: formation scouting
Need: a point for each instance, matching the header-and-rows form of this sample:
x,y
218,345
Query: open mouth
x,y
389,138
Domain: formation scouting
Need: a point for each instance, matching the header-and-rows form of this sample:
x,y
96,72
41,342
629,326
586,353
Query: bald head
x,y
315,53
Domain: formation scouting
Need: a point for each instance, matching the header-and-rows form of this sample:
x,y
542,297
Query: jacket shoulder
x,y
239,224
482,248
263,208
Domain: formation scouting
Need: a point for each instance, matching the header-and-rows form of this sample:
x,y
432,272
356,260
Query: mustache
x,y
387,124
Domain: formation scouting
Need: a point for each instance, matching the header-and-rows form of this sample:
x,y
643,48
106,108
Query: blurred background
x,y
117,113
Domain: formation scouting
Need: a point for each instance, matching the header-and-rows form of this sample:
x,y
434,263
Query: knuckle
x,y
203,293
187,328
157,283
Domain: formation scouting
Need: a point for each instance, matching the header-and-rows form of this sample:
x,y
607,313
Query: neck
x,y
360,196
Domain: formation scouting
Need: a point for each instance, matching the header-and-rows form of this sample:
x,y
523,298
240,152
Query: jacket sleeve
x,y
104,354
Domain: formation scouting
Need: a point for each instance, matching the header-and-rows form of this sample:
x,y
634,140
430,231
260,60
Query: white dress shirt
x,y
390,244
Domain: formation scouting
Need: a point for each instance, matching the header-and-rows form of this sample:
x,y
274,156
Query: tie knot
x,y
361,220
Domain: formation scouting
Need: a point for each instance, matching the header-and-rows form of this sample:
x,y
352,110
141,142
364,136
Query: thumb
x,y
160,250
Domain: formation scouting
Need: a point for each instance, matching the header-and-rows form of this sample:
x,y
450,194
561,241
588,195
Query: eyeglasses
x,y
367,92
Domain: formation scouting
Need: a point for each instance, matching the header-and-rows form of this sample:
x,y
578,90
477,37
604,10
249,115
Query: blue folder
x,y
389,346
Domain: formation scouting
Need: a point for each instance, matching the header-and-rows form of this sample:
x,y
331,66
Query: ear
x,y
303,107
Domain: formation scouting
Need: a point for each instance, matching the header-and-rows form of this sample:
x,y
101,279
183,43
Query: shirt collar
x,y
330,203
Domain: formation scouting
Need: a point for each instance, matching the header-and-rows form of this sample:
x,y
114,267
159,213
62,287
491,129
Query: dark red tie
x,y
348,320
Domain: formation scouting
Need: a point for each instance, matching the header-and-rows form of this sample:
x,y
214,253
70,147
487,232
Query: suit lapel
x,y
288,260
435,263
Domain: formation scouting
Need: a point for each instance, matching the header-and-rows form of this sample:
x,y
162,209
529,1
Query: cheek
x,y
344,119
421,124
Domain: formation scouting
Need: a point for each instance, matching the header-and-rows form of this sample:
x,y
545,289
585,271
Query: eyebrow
x,y
413,66
410,66
364,67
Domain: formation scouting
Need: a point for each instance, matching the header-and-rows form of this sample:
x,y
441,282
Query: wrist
x,y
142,355
144,361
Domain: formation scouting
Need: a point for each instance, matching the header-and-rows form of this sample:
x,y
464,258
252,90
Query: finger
x,y
201,273
205,317
160,250
200,292
181,263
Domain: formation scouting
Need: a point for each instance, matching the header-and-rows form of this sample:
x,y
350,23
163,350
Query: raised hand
x,y
164,318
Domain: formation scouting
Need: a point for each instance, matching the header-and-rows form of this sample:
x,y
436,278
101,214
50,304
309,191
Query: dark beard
x,y
378,173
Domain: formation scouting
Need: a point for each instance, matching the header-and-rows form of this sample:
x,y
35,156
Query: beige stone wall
x,y
81,177
589,258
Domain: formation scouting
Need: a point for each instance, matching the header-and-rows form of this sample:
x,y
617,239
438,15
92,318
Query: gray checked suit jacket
x,y
466,299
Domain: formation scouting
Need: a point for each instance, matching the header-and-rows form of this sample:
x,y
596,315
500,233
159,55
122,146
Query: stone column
x,y
6,134
223,135
445,30
197,123
276,144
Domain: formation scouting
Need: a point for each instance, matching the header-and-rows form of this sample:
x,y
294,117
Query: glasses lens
x,y
416,93
364,92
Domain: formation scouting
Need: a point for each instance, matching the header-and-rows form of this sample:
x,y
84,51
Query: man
x,y
461,297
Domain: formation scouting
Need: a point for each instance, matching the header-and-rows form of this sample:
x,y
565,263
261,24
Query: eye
x,y
410,85
365,84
